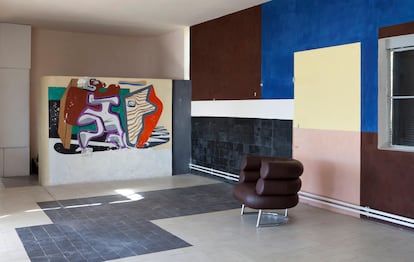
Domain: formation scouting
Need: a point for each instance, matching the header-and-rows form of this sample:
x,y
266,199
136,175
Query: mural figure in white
x,y
105,120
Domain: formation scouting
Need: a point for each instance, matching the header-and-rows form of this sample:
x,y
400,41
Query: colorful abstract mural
x,y
90,115
96,129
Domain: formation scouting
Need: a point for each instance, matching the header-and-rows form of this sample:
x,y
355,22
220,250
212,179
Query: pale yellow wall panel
x,y
328,88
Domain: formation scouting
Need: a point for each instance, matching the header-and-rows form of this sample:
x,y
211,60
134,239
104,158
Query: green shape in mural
x,y
56,93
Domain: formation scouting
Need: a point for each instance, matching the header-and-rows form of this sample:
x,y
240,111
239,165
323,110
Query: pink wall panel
x,y
331,161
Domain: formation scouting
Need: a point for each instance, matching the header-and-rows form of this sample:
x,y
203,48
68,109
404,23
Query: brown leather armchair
x,y
268,183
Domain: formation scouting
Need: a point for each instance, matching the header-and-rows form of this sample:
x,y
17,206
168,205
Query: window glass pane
x,y
403,73
403,122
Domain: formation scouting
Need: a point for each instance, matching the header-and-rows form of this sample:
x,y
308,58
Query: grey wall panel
x,y
15,46
16,162
181,126
14,107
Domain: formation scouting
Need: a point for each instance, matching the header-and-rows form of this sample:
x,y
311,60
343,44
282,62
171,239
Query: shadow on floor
x,y
19,181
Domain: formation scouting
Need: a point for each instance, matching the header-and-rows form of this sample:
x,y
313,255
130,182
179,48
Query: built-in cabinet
x,y
15,46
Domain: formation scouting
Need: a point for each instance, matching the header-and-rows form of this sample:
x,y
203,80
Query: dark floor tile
x,y
35,251
80,244
39,233
98,246
109,254
26,234
125,252
49,204
51,250
94,259
138,249
24,230
65,228
65,245
57,258
73,255
90,255
52,230
39,259
110,231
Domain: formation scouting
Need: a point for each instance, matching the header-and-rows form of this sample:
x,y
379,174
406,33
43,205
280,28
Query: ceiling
x,y
130,17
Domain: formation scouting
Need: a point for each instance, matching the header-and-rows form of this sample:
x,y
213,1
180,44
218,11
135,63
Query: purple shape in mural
x,y
105,121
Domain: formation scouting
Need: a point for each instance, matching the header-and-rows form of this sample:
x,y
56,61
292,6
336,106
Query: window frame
x,y
386,47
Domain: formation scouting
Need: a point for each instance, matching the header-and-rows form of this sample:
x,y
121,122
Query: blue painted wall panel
x,y
296,25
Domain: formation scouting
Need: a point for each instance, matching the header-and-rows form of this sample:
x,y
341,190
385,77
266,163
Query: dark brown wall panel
x,y
396,30
226,57
387,178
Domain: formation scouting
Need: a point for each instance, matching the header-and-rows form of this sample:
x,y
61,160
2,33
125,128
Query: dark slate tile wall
x,y
220,142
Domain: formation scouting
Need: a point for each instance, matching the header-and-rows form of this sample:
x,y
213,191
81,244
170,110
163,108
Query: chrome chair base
x,y
265,218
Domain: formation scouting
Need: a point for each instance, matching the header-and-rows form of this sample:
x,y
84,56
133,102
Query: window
x,y
396,93
402,97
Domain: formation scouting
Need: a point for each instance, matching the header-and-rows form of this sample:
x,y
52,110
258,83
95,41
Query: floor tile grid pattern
x,y
110,227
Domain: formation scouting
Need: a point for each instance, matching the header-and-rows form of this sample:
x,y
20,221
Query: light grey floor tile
x,y
312,234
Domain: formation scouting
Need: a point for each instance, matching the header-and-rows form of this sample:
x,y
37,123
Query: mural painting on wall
x,y
90,116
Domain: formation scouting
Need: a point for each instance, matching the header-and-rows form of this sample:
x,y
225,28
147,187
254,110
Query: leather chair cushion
x,y
278,187
249,176
246,194
251,163
281,169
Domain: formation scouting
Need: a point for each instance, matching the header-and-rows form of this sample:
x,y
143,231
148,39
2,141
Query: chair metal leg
x,y
259,216
278,219
244,211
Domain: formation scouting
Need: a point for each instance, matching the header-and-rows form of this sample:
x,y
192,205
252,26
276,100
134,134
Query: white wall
x,y
14,99
172,52
68,53
263,108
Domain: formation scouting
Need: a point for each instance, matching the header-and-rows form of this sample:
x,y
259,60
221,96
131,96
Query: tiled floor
x,y
180,218
116,226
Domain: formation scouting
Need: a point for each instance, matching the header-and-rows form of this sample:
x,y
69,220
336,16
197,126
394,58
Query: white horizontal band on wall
x,y
259,108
